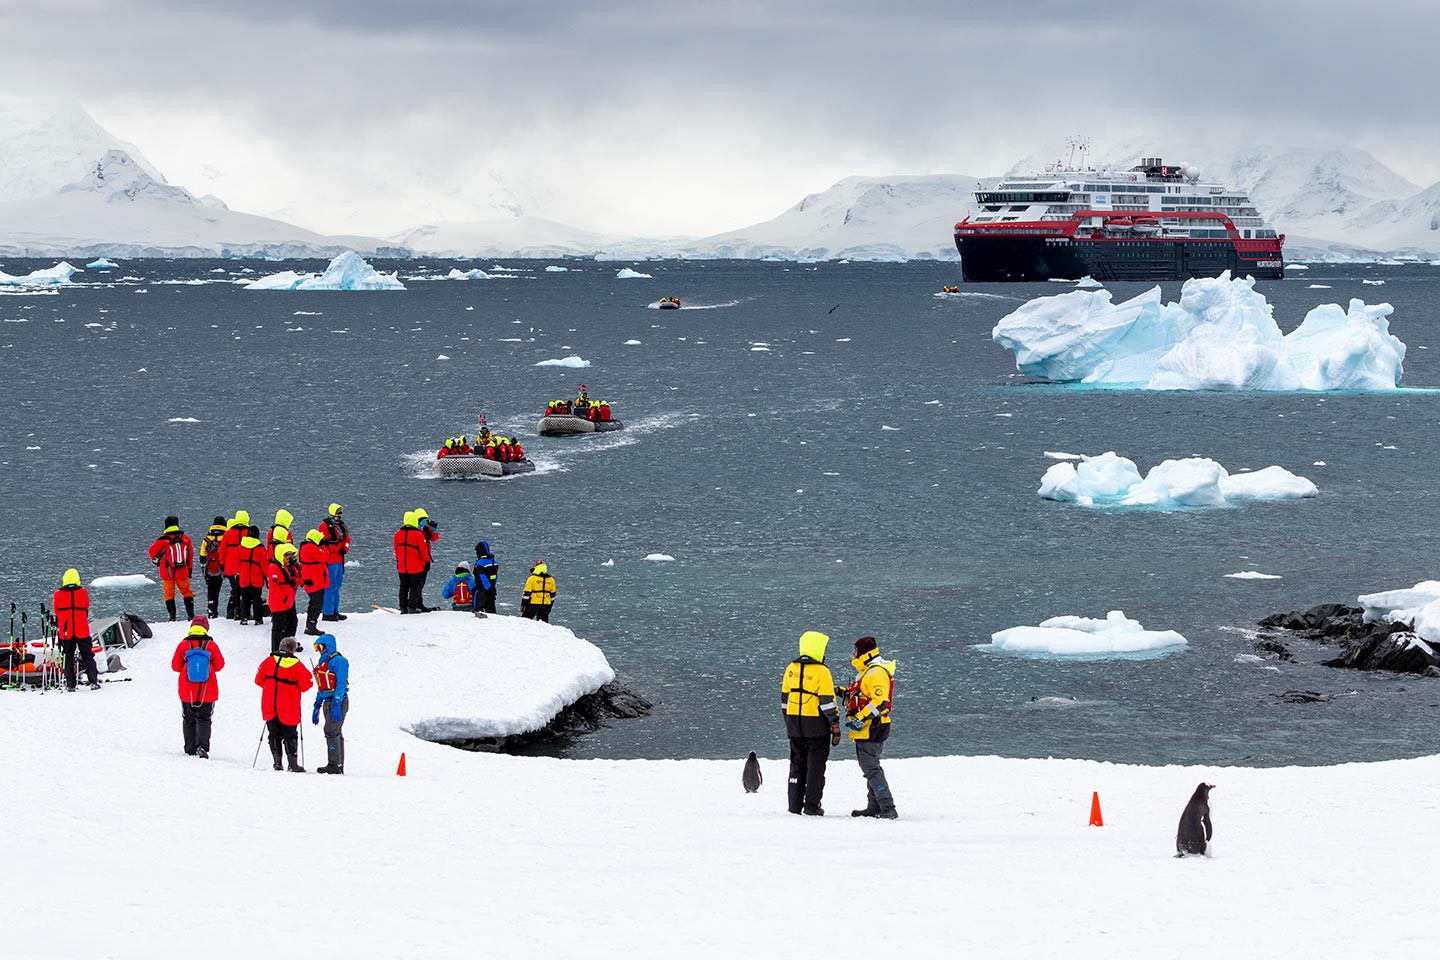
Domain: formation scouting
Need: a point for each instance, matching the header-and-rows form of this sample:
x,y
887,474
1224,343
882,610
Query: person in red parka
x,y
314,578
230,558
281,679
254,558
283,575
197,659
71,604
174,556
412,559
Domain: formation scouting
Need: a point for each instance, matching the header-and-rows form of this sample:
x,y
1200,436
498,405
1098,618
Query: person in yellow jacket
x,y
811,722
539,594
867,709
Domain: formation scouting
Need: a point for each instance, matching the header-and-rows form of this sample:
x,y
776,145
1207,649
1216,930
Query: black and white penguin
x,y
1195,831
751,776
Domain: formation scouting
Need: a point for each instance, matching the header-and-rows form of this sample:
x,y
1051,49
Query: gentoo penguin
x,y
1193,837
751,776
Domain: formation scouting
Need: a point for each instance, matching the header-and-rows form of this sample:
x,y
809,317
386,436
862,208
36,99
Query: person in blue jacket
x,y
460,589
487,572
332,698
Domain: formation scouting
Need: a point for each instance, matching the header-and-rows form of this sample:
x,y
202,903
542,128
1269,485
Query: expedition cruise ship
x,y
1151,222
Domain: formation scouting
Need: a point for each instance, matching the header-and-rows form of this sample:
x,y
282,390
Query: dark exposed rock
x,y
1272,649
614,701
1403,652
1299,696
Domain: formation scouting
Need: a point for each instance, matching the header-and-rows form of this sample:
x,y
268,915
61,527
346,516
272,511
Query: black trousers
x,y
195,721
808,756
234,606
412,587
70,649
485,600
212,594
536,611
335,734
283,736
282,625
252,605
314,603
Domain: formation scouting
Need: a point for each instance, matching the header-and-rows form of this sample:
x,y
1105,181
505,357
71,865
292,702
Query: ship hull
x,y
1023,258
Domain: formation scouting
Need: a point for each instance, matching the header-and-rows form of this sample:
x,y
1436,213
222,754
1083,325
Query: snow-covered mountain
x,y
118,208
520,236
859,218
45,146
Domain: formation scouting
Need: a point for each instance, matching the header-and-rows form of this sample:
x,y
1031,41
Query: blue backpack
x,y
197,662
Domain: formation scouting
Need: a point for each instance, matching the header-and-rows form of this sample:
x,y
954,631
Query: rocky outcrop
x,y
614,701
1401,651
1367,645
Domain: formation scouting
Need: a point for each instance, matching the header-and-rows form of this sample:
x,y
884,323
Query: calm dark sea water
x,y
770,475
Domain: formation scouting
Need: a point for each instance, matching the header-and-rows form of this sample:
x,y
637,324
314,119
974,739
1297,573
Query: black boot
x,y
292,764
867,812
170,606
332,618
189,608
310,630
813,811
275,755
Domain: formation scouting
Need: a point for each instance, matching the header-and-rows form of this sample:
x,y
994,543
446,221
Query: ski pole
x,y
257,747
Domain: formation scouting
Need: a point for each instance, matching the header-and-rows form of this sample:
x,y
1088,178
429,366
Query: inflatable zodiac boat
x,y
565,417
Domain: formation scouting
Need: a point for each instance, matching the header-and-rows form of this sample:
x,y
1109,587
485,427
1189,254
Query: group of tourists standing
x,y
282,679
813,720
233,550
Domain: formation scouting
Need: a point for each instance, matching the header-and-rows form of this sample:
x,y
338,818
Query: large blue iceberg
x,y
1220,336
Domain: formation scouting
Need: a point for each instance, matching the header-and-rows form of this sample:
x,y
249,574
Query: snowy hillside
x,y
116,208
859,218
605,858
520,236
44,146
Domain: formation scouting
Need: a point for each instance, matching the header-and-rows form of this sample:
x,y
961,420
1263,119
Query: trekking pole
x,y
257,747
301,725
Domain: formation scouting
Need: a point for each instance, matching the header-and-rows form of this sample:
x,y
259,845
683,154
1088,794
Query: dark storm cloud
x,y
803,91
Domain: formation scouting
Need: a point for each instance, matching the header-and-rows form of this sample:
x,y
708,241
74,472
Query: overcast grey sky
x,y
693,117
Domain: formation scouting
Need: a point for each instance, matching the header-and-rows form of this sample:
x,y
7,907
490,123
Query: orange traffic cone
x,y
400,772
1095,819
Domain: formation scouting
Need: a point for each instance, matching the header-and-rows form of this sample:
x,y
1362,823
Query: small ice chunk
x,y
659,557
1252,575
127,581
609,563
442,357
625,273
572,361
101,264
632,343
182,420
1084,636
554,269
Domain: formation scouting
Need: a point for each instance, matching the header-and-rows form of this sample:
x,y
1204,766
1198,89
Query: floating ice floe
x,y
1088,282
349,271
128,581
554,269
1318,286
609,563
660,558
1084,637
456,274
625,273
101,264
1296,266
442,357
182,420
1374,283
1110,480
1220,336
573,362
50,276
632,343
1252,575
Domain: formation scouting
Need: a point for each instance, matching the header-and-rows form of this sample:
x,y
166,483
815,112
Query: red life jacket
x,y
72,612
314,567
463,596
282,679
252,566
324,678
337,538
282,586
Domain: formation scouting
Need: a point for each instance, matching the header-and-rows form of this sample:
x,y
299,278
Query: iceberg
x,y
456,274
49,277
659,558
574,362
554,269
349,271
124,581
625,273
1110,480
101,264
1418,605
1220,336
1084,637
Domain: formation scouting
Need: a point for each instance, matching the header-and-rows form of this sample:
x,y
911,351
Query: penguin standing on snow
x,y
751,776
1195,831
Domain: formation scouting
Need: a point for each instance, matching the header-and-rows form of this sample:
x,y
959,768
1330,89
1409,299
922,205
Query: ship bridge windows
x,y
1022,196
993,209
